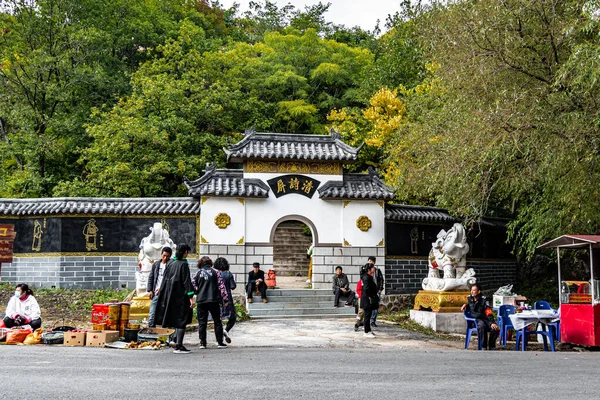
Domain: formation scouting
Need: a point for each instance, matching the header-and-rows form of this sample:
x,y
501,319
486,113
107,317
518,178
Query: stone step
x,y
298,292
293,299
296,305
309,316
278,312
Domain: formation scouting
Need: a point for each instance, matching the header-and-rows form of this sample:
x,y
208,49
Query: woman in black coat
x,y
369,300
175,300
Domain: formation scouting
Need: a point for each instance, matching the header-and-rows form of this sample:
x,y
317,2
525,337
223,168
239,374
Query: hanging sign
x,y
293,184
7,237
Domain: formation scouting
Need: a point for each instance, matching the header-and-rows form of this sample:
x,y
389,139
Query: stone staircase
x,y
289,249
298,303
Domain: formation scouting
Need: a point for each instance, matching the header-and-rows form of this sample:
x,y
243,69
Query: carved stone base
x,y
140,307
440,301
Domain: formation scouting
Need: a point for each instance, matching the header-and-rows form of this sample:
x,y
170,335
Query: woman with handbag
x,y
227,311
23,309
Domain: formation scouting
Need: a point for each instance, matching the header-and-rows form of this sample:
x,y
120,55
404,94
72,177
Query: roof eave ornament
x,y
335,135
250,131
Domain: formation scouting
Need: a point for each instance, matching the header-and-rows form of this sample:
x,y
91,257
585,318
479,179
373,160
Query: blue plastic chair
x,y
554,326
471,328
504,322
523,335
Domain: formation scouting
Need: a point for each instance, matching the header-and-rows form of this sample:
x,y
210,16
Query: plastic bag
x,y
35,337
53,337
16,336
504,291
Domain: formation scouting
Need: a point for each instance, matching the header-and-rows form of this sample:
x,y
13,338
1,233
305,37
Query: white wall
x,y
262,214
371,209
211,232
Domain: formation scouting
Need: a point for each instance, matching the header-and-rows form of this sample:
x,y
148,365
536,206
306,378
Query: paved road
x,y
50,372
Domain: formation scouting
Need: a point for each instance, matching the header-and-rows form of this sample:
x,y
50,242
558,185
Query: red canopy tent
x,y
580,312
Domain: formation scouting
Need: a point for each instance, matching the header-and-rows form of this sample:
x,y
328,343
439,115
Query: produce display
x,y
141,345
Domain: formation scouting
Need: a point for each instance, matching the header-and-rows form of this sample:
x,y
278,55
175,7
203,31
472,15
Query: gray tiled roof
x,y
226,182
282,146
357,186
404,213
98,205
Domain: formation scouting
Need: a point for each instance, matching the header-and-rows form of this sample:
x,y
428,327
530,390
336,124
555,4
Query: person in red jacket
x,y
361,312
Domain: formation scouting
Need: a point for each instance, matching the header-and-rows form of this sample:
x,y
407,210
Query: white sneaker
x,y
308,281
202,347
369,335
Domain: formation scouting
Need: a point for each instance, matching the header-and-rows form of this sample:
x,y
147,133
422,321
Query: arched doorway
x,y
291,240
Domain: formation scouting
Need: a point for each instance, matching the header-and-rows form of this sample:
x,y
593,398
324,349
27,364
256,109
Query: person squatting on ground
x,y
175,303
23,309
210,295
369,300
378,277
256,282
341,287
221,264
481,311
155,280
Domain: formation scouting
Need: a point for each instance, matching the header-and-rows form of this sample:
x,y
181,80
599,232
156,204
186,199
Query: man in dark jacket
x,y
210,294
341,287
480,310
256,282
369,299
175,299
379,281
155,280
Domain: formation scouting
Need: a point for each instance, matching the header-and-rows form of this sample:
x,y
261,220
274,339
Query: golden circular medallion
x,y
222,220
363,223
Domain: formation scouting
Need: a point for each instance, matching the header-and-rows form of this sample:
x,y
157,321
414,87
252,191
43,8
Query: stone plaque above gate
x,y
293,184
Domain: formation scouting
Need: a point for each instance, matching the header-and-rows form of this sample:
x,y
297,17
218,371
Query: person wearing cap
x,y
256,282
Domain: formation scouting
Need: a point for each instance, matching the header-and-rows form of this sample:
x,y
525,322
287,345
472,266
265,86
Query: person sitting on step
x,y
256,282
341,287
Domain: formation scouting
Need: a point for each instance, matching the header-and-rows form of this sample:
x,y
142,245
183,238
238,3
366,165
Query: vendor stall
x,y
579,300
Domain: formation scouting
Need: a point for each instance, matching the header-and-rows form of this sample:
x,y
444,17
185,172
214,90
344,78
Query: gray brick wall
x,y
93,272
405,276
326,258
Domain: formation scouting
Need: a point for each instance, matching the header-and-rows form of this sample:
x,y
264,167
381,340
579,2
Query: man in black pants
x,y
341,287
480,310
210,294
256,282
369,300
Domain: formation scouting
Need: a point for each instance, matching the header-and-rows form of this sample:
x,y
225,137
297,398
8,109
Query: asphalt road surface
x,y
56,372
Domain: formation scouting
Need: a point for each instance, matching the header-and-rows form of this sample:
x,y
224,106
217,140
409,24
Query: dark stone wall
x,y
487,243
120,234
405,276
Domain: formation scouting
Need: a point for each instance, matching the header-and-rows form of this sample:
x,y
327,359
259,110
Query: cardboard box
x,y
502,300
163,334
100,338
74,339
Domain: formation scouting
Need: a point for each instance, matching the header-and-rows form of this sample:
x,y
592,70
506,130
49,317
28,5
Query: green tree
x,y
194,94
58,60
509,127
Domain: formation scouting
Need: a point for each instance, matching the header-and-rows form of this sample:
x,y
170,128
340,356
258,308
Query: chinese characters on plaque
x,y
297,184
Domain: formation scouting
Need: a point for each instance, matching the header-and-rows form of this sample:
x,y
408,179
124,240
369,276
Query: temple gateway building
x,y
296,182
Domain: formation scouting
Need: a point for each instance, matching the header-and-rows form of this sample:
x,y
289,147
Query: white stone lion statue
x,y
448,253
150,249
